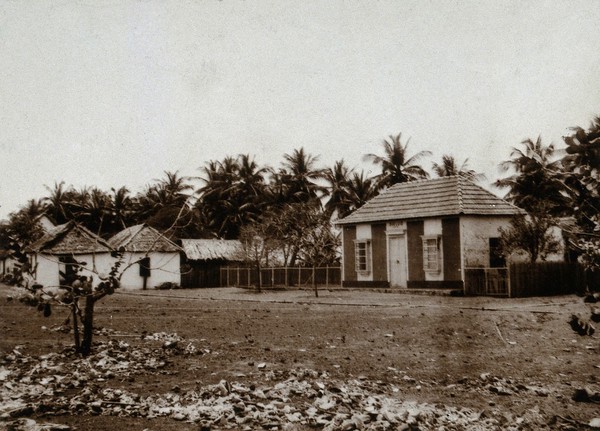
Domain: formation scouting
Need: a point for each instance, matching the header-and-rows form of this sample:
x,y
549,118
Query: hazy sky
x,y
112,93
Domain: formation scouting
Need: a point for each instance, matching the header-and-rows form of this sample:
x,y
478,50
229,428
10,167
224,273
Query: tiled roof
x,y
212,249
142,238
447,196
69,238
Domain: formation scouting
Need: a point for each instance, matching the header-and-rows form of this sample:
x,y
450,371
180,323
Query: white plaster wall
x,y
434,227
475,235
363,231
165,267
48,267
476,232
46,270
8,265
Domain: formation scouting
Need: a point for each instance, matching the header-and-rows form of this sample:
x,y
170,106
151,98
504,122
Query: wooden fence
x,y
525,279
281,276
487,282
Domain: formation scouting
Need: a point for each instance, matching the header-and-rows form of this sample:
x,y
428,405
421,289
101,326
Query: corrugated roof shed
x,y
142,238
69,238
212,249
445,196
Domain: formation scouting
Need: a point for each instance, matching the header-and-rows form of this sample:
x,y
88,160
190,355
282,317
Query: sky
x,y
114,93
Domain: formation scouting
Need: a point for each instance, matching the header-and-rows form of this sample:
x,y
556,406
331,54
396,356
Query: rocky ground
x,y
233,359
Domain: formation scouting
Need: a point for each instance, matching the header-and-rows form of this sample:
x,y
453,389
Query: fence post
x,y
508,281
327,276
286,277
485,280
273,277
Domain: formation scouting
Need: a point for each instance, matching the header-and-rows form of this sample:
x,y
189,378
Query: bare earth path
x,y
287,360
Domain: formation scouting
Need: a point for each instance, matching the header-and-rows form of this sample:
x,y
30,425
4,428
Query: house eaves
x,y
441,197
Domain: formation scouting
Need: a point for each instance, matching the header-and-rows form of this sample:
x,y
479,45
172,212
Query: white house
x,y
66,249
149,259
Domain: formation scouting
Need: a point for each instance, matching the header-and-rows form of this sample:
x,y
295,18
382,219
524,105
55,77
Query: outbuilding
x,y
423,234
67,249
149,257
204,259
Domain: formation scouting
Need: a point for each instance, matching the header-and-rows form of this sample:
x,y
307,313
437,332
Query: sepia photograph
x,y
299,215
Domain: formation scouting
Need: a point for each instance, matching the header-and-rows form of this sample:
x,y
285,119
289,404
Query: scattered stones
x,y
299,398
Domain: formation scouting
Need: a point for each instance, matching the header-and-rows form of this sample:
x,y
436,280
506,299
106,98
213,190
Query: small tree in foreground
x,y
78,292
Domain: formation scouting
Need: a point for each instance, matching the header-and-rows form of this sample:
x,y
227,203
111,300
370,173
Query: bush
x,y
167,285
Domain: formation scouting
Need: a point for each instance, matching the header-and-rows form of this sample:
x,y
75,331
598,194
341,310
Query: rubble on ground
x,y
63,383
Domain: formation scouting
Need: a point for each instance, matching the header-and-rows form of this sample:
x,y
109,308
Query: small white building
x,y
65,250
150,258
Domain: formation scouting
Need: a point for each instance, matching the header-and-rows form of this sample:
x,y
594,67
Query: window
x,y
431,253
497,259
362,254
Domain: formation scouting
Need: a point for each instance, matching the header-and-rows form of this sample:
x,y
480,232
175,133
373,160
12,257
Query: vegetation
x,y
396,165
548,187
448,168
532,235
285,215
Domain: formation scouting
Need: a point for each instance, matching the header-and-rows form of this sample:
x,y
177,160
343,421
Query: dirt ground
x,y
516,361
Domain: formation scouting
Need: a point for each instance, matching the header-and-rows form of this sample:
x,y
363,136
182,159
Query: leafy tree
x,y
299,232
448,168
530,234
581,167
22,228
536,184
396,165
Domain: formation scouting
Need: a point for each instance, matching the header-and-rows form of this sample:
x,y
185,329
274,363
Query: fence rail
x,y
281,276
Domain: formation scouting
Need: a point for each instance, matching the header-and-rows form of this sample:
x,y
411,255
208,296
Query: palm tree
x,y
361,189
338,178
396,165
121,206
173,189
58,202
535,186
92,208
299,174
233,195
448,168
